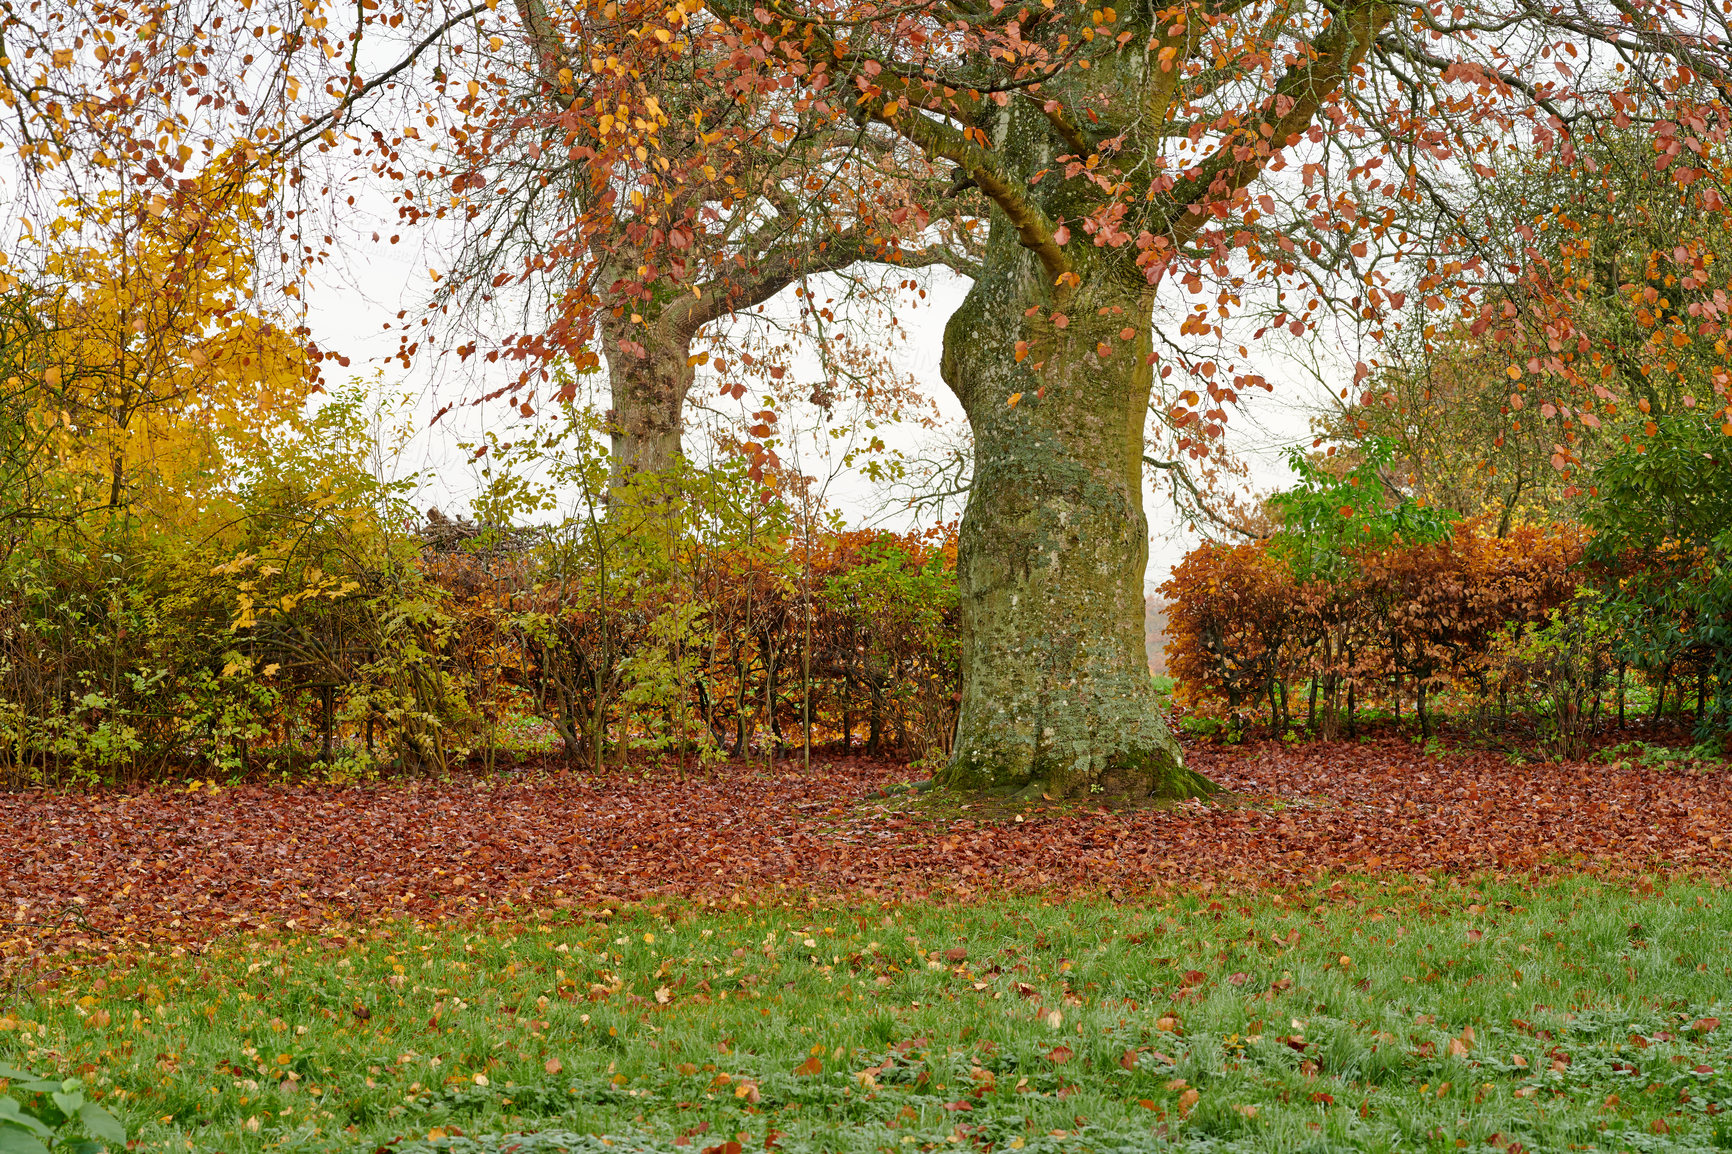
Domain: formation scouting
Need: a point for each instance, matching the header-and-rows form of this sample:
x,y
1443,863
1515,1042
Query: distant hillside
x,y
1155,632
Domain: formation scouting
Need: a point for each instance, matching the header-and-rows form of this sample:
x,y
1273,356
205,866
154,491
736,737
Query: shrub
x,y
1377,623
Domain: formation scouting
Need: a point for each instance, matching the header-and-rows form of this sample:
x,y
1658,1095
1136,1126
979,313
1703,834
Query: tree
x,y
26,439
1441,409
137,373
648,251
1061,119
1117,152
157,366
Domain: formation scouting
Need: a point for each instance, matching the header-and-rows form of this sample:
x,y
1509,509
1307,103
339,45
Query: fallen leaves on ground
x,y
90,871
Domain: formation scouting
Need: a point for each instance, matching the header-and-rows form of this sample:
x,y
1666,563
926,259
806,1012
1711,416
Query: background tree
x,y
727,191
154,366
1591,386
1600,297
1439,411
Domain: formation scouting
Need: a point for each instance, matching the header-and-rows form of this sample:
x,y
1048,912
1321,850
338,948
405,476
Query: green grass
x,y
1337,1021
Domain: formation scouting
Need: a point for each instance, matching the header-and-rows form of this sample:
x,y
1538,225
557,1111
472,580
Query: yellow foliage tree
x,y
156,374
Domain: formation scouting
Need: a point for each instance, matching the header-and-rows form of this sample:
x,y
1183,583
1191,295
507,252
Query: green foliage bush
x,y
1663,539
129,650
699,614
53,1114
321,628
1362,594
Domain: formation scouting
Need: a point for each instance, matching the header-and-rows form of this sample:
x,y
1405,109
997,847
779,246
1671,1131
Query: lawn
x,y
1374,1014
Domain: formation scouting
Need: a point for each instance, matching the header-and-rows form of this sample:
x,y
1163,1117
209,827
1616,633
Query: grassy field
x,y
1370,1016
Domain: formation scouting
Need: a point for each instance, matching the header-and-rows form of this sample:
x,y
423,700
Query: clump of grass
x,y
1369,1016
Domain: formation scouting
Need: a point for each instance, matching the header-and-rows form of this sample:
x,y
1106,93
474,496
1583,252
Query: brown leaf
x,y
501,839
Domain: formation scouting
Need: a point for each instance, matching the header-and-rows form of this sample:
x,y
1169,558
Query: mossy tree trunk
x,y
649,375
1057,694
1090,201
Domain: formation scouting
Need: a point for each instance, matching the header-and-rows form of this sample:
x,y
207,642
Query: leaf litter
x,y
169,868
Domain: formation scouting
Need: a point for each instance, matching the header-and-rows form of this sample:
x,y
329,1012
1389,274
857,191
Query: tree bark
x,y
648,379
1056,691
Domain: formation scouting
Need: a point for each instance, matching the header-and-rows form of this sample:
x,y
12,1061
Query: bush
x,y
700,620
53,1115
129,652
1399,621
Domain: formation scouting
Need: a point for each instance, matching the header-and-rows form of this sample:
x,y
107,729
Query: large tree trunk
x,y
1056,691
648,378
